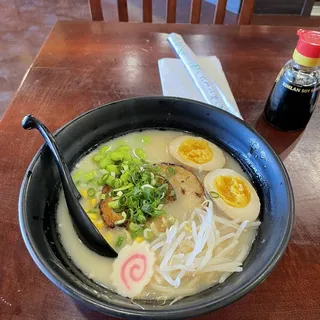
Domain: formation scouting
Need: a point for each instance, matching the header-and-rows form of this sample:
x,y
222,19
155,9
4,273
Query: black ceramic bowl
x,y
38,198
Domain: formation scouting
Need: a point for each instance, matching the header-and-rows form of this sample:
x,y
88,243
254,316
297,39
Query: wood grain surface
x,y
85,64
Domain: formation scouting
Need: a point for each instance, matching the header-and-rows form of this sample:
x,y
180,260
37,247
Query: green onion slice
x,y
170,171
214,194
120,241
123,220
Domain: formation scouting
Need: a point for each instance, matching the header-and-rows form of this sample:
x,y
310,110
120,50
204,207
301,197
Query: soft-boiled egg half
x,y
233,193
197,153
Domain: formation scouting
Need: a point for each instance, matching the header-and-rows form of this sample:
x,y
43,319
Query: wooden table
x,y
85,64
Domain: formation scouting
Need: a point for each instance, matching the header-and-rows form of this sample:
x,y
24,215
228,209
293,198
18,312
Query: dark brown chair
x,y
244,16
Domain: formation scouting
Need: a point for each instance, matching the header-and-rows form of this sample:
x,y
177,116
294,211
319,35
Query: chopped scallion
x,y
103,196
89,176
139,153
91,192
133,226
137,233
137,187
145,139
214,194
117,183
170,171
147,186
123,220
128,186
114,204
93,211
147,233
120,241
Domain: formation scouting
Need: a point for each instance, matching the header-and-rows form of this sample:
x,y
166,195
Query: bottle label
x,y
290,106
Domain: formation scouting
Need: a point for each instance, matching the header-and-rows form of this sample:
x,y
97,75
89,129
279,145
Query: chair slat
x,y
96,10
123,10
220,12
147,10
171,11
246,12
195,11
244,18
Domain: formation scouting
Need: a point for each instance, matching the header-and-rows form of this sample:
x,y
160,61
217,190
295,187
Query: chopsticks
x,y
208,87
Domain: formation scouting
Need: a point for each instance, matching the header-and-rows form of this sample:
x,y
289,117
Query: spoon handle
x,y
86,230
30,122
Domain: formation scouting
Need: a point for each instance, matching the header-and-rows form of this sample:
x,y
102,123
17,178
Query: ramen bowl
x,y
41,185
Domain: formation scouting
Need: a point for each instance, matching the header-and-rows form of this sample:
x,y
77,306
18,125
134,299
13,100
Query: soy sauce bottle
x,y
295,92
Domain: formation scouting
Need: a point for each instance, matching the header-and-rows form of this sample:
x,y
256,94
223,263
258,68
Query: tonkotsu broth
x,y
99,268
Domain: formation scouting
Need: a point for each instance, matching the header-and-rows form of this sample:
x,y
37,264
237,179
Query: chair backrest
x,y
244,16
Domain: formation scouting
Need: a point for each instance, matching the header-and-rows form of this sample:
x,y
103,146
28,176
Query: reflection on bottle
x,y
282,142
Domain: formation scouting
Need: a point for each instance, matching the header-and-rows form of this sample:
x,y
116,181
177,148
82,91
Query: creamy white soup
x,y
181,213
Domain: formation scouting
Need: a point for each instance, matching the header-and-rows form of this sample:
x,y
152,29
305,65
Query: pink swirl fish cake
x,y
133,269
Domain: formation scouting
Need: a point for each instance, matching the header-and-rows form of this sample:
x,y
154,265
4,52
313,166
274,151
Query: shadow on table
x,y
282,142
91,314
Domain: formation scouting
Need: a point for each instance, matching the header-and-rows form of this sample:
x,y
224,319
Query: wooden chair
x,y
244,16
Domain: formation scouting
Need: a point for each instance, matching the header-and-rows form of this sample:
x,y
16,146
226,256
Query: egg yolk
x,y
233,190
195,150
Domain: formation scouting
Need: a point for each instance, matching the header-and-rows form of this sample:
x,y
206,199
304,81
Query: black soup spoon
x,y
85,229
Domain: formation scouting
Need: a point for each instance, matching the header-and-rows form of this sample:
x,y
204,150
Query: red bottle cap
x,y
307,52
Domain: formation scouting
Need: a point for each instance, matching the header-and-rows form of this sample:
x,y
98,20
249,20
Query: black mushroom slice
x,y
108,216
